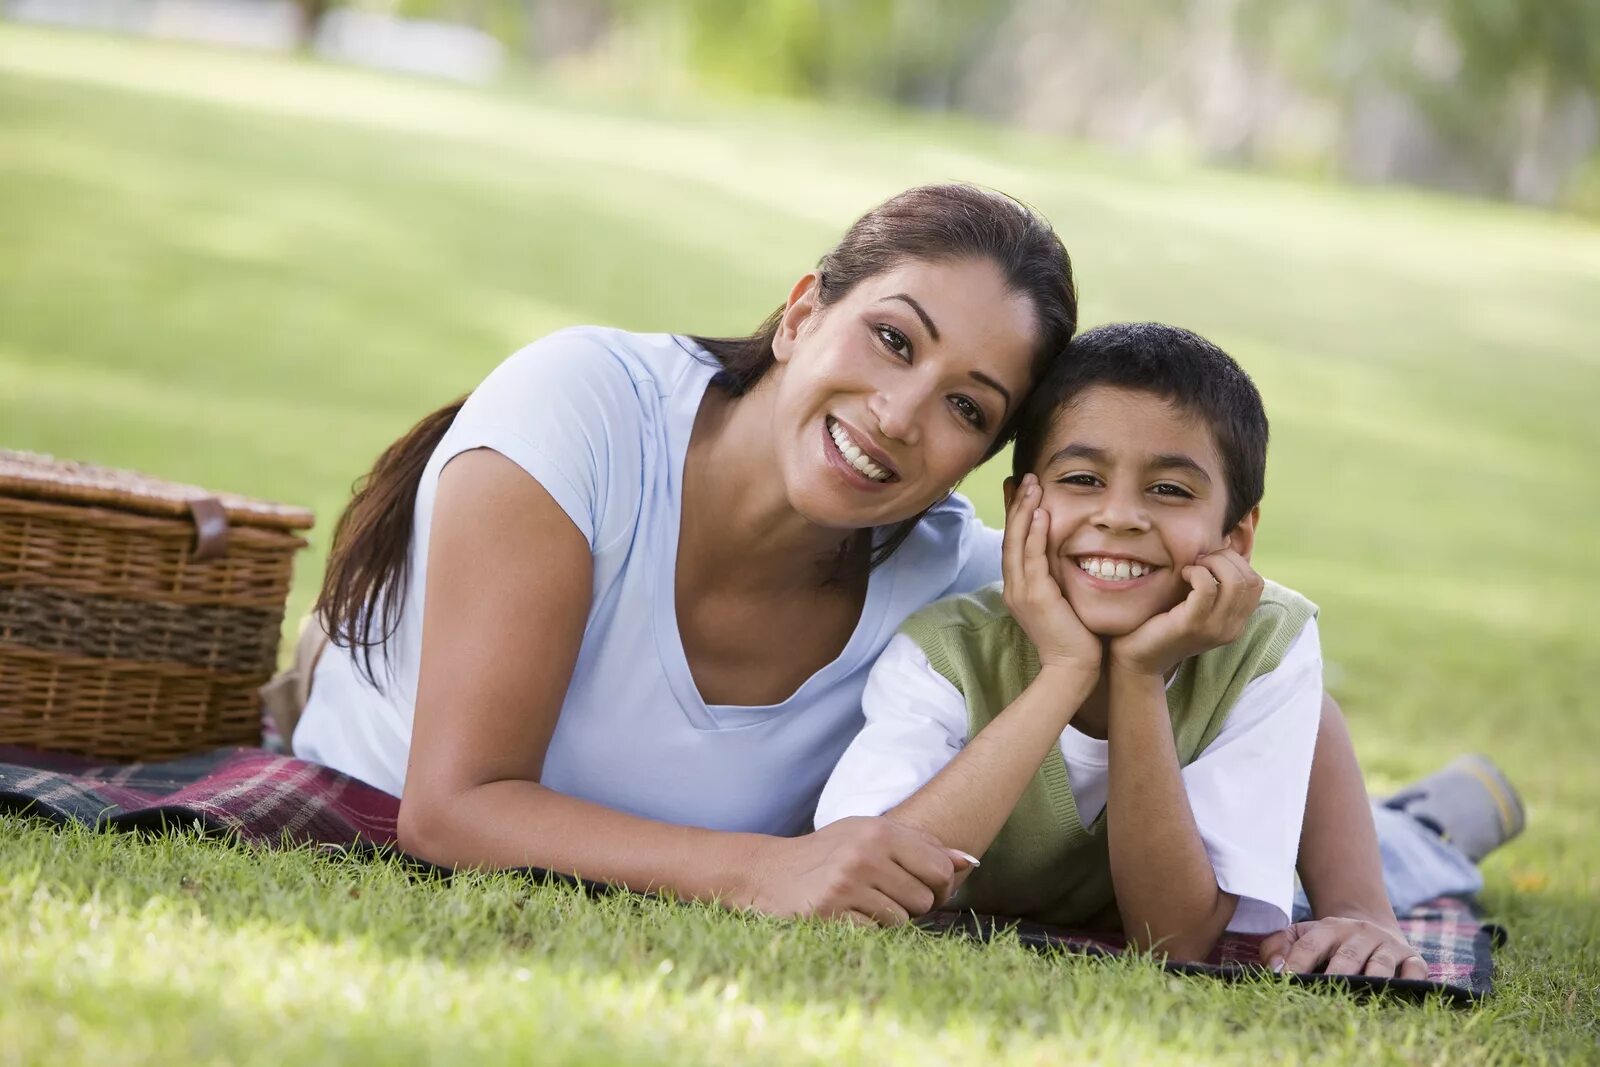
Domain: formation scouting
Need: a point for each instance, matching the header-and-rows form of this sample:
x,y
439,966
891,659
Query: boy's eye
x,y
1079,479
893,340
968,409
1169,489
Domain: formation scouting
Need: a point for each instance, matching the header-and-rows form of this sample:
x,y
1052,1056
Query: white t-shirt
x,y
1247,789
602,419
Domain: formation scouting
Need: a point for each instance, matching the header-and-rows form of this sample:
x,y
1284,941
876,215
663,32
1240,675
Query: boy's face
x,y
1135,491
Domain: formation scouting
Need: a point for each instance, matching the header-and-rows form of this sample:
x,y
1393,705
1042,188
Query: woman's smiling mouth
x,y
854,455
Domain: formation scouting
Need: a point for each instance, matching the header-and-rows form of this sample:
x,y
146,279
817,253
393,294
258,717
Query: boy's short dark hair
x,y
1174,364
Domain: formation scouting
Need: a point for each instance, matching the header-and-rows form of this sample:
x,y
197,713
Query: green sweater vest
x,y
1045,865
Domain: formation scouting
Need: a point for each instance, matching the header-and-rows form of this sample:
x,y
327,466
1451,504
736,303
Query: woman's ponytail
x,y
370,560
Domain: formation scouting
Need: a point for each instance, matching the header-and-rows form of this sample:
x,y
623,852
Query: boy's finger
x,y
1414,967
1033,562
1203,592
1016,530
1275,948
1311,950
1352,956
1236,598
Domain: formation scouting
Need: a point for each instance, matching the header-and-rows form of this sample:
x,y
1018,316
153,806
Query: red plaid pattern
x,y
269,799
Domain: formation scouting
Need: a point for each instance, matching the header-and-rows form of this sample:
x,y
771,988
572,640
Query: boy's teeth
x,y
1115,570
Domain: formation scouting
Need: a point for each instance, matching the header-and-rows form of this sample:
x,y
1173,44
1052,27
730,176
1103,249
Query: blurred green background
x,y
254,272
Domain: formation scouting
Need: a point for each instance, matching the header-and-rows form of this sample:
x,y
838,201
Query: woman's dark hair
x,y
363,589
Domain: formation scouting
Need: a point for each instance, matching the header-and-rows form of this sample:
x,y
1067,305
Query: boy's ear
x,y
1242,538
1009,488
802,302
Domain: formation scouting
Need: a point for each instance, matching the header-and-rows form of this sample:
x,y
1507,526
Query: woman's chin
x,y
824,505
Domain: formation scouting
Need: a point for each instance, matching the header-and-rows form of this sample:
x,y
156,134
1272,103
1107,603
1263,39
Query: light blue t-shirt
x,y
602,419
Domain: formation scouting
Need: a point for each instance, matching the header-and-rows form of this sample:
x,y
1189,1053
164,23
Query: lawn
x,y
253,273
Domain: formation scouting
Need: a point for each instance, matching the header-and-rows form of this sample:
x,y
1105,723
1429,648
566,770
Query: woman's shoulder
x,y
952,550
603,358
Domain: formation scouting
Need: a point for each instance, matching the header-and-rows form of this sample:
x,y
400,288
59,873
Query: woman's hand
x,y
1031,593
1337,945
1224,591
866,870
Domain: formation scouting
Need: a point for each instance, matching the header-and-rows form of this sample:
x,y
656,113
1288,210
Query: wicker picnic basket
x,y
137,617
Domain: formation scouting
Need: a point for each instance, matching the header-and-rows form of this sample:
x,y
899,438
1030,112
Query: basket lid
x,y
42,477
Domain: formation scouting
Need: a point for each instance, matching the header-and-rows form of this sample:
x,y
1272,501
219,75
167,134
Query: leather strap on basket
x,y
210,528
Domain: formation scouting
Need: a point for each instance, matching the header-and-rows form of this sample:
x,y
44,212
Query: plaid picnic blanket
x,y
268,799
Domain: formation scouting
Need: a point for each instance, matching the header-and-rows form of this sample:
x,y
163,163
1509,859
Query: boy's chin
x,y
1109,624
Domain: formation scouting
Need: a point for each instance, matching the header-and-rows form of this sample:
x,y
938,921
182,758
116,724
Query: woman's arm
x,y
1340,866
508,596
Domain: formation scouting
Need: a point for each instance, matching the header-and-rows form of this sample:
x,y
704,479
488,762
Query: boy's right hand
x,y
1031,593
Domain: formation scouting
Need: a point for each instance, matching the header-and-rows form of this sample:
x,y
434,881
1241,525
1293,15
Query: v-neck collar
x,y
682,408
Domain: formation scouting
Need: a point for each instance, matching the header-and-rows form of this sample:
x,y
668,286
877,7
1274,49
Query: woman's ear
x,y
1242,538
802,302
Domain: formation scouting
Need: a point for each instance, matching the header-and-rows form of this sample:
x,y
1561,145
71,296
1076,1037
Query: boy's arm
x,y
1166,888
916,722
1355,931
1339,861
970,799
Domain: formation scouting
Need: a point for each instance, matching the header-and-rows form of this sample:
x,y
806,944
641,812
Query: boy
x,y
1093,733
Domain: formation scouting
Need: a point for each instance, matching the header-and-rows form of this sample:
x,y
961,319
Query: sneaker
x,y
1469,803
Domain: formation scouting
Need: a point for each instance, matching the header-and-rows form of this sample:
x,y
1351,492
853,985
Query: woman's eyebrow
x,y
921,314
978,375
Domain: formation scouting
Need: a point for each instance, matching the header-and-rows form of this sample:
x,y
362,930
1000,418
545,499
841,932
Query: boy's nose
x,y
1122,513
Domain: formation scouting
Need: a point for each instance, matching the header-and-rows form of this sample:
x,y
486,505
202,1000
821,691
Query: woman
x,y
612,614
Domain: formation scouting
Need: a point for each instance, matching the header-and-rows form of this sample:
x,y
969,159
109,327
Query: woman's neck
x,y
735,507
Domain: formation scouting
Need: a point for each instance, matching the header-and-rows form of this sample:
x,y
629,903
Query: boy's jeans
x,y
1418,864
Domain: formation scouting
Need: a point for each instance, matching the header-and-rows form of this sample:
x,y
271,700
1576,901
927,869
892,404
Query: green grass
x,y
253,273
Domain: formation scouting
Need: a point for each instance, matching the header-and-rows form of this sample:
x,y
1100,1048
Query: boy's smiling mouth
x,y
1114,569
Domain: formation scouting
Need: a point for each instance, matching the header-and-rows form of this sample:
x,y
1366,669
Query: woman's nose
x,y
897,413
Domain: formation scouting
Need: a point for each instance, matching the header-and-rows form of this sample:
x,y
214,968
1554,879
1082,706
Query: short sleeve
x,y
980,564
916,722
1247,790
566,410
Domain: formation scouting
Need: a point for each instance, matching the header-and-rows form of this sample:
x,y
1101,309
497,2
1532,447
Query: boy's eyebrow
x,y
1078,450
921,314
1165,461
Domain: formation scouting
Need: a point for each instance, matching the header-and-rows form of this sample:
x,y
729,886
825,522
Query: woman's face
x,y
889,396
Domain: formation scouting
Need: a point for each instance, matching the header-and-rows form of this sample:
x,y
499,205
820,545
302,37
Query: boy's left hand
x,y
1224,590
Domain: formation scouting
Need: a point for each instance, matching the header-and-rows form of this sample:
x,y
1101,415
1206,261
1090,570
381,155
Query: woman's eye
x,y
1168,489
969,410
894,341
1080,479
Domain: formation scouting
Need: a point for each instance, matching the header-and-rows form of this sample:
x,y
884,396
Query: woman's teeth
x,y
853,455
1113,570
